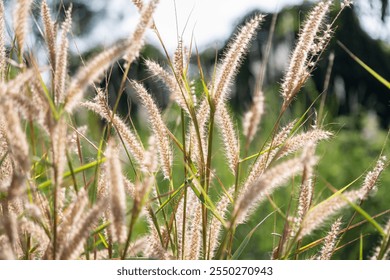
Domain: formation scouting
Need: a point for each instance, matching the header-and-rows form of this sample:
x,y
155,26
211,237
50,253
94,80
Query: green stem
x,y
75,171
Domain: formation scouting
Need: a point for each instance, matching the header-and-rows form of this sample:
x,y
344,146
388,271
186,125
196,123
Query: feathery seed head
x,y
101,107
58,135
229,137
216,225
74,246
170,81
330,241
195,236
138,3
298,72
323,211
50,33
151,159
159,129
265,159
90,73
252,117
6,251
33,211
15,135
275,177
117,193
20,18
62,58
299,141
97,65
227,68
6,169
306,189
178,59
382,251
372,177
137,37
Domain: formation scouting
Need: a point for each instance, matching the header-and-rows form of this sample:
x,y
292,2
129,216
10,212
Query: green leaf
x,y
367,217
103,240
204,197
173,195
246,240
75,171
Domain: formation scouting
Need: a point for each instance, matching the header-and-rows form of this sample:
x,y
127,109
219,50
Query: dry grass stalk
x,y
101,107
298,70
44,206
229,138
60,72
159,129
50,33
330,241
228,67
20,17
117,194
